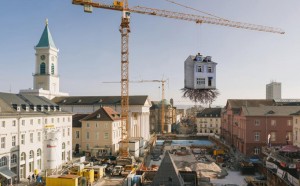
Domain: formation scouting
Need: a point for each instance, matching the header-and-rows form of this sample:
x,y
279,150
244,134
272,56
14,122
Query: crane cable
x,y
196,10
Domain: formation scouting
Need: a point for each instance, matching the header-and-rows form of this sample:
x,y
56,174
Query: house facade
x,y
208,121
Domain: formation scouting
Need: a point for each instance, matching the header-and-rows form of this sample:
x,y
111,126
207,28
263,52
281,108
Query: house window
x,y
199,68
273,122
52,69
3,161
38,152
87,147
209,69
31,166
289,122
31,137
200,81
63,155
273,136
63,119
256,136
23,156
23,122
105,135
13,159
46,121
77,134
39,121
31,122
256,150
3,124
63,146
52,120
14,123
43,68
23,139
87,135
87,125
209,81
2,142
13,141
39,136
257,122
31,154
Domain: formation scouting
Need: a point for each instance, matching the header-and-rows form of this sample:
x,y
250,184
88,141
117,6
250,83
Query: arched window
x,y
52,68
3,161
23,156
39,152
43,68
31,154
63,145
13,159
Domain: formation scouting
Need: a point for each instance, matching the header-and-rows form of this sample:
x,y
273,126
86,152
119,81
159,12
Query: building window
x,y
38,152
46,121
23,156
31,122
289,122
31,154
13,141
87,135
257,122
209,69
52,120
273,136
199,68
14,123
77,134
31,166
105,135
52,69
13,159
256,136
2,142
31,137
57,120
39,121
256,150
3,161
39,136
87,125
23,139
63,155
200,81
43,68
63,119
273,122
63,146
3,124
87,147
23,122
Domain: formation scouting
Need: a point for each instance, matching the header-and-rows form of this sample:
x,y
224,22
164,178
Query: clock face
x,y
43,57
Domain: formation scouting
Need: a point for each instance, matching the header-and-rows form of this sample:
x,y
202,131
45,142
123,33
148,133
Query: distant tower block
x,y
199,72
273,90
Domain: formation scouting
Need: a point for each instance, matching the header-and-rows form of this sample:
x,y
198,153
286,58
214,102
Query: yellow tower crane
x,y
125,30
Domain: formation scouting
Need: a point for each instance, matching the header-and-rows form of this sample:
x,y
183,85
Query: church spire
x,y
46,38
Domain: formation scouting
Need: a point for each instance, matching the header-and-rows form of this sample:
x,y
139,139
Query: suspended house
x,y
199,72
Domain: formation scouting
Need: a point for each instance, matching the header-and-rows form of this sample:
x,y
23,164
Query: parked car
x,y
117,170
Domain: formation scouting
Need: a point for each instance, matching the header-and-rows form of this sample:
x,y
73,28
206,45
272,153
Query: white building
x,y
273,90
45,77
35,134
209,121
139,110
199,72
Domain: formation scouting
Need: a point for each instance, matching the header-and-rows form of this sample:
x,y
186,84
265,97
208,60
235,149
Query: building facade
x,y
199,72
45,77
138,110
208,121
35,135
273,90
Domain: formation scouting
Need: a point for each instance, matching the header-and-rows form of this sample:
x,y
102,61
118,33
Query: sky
x,y
89,47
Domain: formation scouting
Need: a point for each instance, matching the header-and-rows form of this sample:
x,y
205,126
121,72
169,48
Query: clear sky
x,y
89,47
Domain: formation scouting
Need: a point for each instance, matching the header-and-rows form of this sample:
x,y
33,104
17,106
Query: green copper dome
x,y
46,39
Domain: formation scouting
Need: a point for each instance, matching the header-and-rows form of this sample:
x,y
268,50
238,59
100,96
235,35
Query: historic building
x,y
35,135
45,76
209,121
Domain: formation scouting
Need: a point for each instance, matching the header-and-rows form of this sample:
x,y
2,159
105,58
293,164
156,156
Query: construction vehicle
x,y
125,30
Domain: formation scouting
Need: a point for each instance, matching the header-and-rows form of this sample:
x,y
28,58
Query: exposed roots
x,y
204,96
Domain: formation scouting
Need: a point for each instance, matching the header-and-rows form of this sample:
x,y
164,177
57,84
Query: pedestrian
x,y
33,177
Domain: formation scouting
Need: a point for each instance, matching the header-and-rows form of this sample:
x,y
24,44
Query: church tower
x,y
45,77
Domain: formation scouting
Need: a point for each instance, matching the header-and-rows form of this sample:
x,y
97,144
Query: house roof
x,y
46,39
270,110
167,173
98,100
76,120
103,114
210,112
237,103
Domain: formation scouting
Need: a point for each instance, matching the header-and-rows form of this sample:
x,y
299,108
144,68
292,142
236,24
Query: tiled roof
x,y
76,120
167,173
271,110
237,103
98,100
103,114
46,39
210,112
